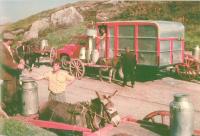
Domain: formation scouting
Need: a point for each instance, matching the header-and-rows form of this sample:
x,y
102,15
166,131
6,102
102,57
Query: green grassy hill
x,y
182,11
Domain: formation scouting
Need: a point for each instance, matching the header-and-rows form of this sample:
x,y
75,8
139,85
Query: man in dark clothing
x,y
129,67
9,72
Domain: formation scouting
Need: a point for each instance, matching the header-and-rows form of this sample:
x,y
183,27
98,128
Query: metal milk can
x,y
30,104
95,56
197,52
82,54
181,116
92,33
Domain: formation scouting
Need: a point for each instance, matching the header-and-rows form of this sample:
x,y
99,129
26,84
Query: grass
x,y
9,127
64,35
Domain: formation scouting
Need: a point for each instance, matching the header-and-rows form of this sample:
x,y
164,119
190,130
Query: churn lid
x,y
27,79
181,97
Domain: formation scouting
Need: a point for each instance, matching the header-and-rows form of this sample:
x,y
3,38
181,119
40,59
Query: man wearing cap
x,y
9,72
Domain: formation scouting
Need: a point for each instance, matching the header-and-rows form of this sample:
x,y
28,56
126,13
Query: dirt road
x,y
146,97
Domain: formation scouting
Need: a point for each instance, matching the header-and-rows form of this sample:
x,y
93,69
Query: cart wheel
x,y
159,117
53,55
77,68
189,69
65,60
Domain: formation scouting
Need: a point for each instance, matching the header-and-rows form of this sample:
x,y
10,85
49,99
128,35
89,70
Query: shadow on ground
x,y
141,76
160,129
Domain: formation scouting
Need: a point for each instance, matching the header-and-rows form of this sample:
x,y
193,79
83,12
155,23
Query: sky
x,y
14,10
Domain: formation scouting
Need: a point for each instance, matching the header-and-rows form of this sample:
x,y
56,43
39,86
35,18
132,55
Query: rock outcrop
x,y
114,2
66,17
37,26
18,31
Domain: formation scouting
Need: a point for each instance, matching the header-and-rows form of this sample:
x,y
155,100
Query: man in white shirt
x,y
58,80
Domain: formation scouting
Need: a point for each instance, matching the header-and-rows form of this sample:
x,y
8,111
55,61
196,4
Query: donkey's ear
x,y
98,95
113,94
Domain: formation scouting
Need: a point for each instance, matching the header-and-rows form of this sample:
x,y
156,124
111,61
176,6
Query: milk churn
x,y
29,93
181,116
95,56
82,54
91,33
44,44
197,52
88,55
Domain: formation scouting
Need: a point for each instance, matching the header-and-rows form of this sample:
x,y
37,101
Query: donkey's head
x,y
109,107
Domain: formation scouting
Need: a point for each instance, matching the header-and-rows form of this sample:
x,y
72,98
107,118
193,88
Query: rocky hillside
x,y
62,24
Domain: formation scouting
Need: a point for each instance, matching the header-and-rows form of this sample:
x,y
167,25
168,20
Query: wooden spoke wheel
x,y
53,55
77,68
65,61
189,69
159,117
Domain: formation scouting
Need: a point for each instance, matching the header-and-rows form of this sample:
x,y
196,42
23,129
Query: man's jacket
x,y
128,61
8,68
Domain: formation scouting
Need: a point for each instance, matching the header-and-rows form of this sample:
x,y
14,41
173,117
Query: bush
x,y
125,15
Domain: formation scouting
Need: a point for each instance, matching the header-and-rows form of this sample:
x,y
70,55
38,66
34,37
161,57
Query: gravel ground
x,y
139,101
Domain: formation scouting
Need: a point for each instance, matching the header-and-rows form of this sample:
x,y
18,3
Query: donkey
x,y
113,65
94,114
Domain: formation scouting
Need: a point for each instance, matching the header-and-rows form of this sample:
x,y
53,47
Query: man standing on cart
x,y
129,67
